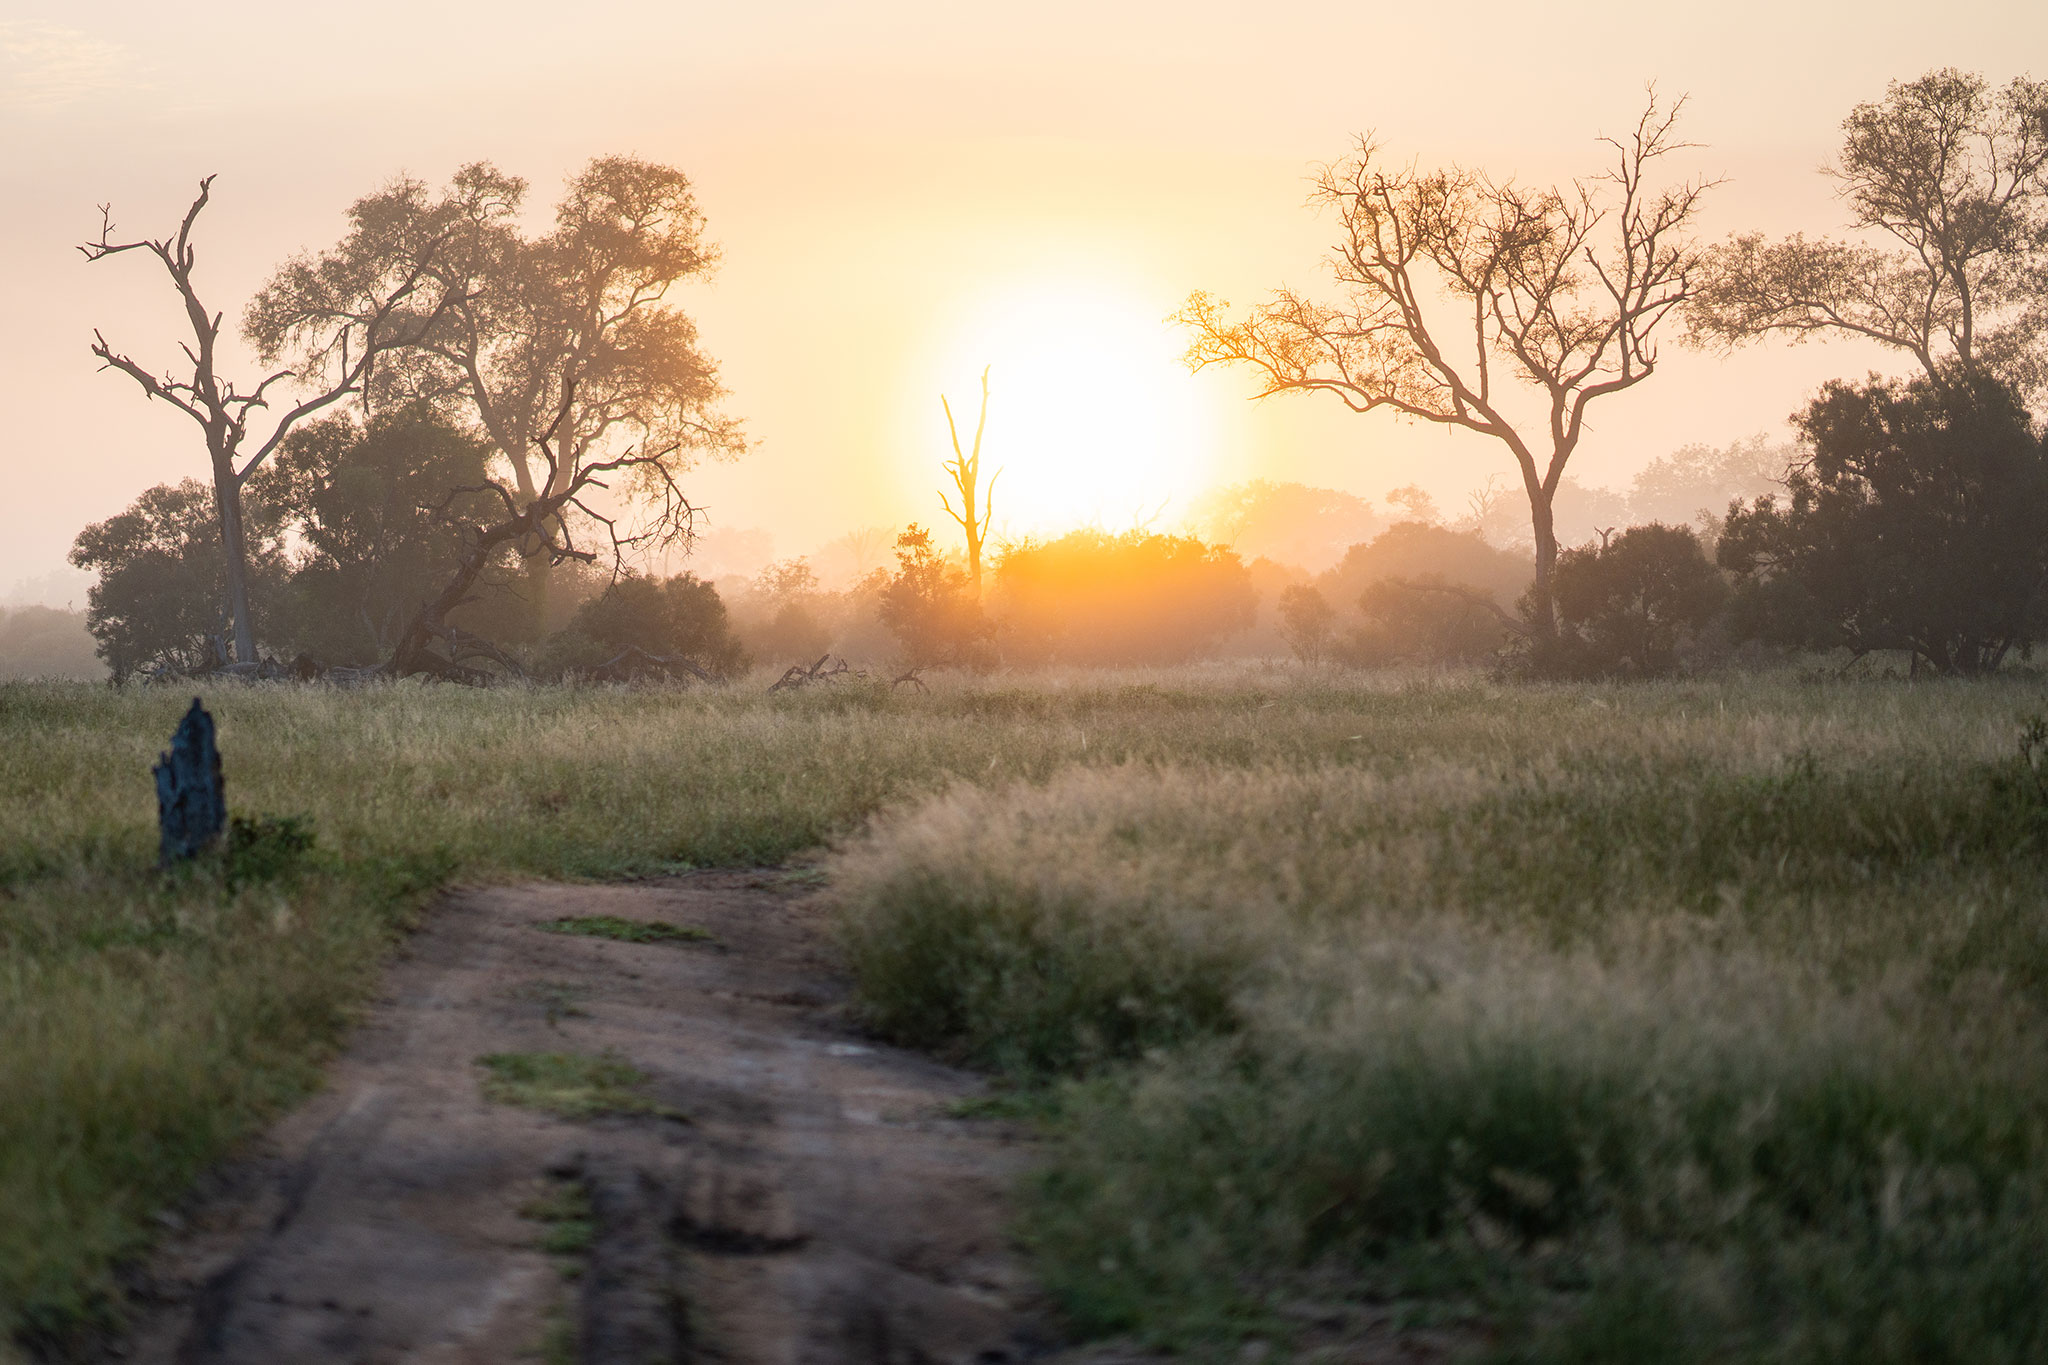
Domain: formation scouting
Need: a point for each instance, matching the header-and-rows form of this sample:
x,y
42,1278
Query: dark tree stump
x,y
191,802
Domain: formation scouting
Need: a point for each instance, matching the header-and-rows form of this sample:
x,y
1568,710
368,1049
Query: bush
x,y
1628,605
1140,597
679,617
930,606
1428,594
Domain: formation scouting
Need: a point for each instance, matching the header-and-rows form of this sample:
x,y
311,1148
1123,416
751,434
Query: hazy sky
x,y
904,192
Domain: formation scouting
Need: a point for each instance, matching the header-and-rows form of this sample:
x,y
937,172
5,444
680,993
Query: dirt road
x,y
798,1194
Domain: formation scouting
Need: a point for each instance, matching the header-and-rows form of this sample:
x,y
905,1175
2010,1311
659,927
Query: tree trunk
x,y
1542,604
227,502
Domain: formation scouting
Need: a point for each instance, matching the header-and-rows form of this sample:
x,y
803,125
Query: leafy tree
x,y
930,605
1140,597
162,595
1627,604
1460,289
1915,525
563,348
1956,173
680,617
363,501
1307,622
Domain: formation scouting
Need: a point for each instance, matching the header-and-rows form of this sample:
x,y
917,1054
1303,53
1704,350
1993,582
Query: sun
x,y
1092,419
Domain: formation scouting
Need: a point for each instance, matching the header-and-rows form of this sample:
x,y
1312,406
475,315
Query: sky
x,y
902,194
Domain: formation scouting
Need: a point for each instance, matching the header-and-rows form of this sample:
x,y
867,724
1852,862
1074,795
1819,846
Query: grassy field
x,y
1580,1013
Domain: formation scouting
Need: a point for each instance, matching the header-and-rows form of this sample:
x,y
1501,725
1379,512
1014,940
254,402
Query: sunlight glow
x,y
1092,418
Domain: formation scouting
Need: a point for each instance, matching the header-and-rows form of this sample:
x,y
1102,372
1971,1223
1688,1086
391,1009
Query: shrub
x,y
930,606
681,616
1627,605
1140,597
1428,593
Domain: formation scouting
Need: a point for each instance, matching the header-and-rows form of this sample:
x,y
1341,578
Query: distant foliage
x,y
1427,593
788,616
1290,523
1916,525
681,616
1140,597
161,597
1698,481
1627,607
1307,622
930,606
46,642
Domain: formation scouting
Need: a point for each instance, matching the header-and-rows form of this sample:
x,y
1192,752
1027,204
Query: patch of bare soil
x,y
798,1193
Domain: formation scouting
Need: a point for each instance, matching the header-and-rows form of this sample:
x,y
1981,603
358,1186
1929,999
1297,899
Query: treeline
x,y
1906,518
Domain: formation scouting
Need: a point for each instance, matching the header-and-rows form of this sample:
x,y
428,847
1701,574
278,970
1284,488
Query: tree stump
x,y
191,801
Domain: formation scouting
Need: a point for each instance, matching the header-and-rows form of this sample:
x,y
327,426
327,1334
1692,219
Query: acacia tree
x,y
337,358
1462,292
541,528
1957,175
569,333
964,469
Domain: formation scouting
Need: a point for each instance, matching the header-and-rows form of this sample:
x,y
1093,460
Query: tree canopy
x,y
1955,174
1915,525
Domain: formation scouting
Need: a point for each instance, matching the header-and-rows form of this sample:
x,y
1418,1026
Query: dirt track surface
x,y
813,1204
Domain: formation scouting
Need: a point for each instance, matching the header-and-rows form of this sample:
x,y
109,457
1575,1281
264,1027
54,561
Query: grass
x,y
570,1085
567,1231
1706,1032
1167,884
626,930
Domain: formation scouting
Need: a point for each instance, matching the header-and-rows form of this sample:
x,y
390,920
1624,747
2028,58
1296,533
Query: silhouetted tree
x,y
1915,525
1627,604
161,597
1460,286
977,503
338,353
1957,174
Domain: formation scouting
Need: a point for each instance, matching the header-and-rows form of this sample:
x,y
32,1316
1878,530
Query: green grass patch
x,y
570,1085
1665,1044
626,930
567,1231
153,1021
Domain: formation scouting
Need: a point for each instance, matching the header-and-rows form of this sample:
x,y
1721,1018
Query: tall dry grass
x,y
152,1022
1700,1026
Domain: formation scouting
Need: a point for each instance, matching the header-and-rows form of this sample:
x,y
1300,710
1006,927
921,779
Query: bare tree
x,y
540,528
1956,174
1460,289
338,360
570,333
964,469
